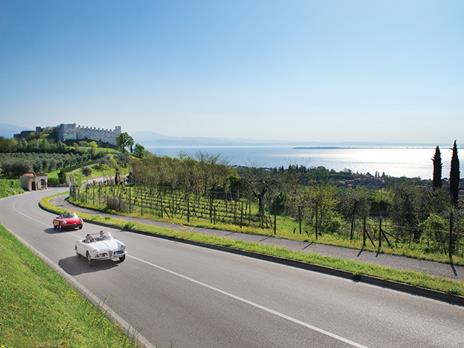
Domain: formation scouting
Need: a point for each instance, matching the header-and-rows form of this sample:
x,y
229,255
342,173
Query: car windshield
x,y
69,215
102,236
97,237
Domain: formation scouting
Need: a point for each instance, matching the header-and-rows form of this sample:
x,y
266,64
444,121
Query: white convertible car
x,y
100,246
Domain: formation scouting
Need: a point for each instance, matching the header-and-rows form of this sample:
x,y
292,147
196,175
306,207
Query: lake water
x,y
394,161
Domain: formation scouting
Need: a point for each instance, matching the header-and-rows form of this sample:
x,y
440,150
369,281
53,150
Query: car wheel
x,y
80,227
89,259
122,258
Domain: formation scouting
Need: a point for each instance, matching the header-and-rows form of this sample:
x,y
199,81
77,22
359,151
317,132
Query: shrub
x,y
116,204
332,224
53,182
435,233
86,171
61,176
128,225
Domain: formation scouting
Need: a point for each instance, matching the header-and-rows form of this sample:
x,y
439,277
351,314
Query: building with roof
x,y
31,181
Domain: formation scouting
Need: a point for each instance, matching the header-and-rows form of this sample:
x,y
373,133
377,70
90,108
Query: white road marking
x,y
251,303
29,217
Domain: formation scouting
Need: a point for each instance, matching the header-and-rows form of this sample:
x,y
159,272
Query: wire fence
x,y
374,231
166,203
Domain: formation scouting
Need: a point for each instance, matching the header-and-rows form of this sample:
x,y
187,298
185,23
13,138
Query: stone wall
x,y
67,132
73,132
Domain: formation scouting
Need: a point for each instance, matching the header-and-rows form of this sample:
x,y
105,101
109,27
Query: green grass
x,y
98,150
9,187
105,171
98,171
38,308
53,175
355,267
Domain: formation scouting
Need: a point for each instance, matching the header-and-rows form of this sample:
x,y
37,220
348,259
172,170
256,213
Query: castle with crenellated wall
x,y
71,131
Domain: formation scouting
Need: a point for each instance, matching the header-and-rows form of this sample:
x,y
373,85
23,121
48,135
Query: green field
x,y
9,187
53,175
96,171
38,308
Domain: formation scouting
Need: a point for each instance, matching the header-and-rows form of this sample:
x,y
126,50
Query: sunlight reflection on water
x,y
398,161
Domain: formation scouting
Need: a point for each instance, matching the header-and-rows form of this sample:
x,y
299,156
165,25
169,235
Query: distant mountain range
x,y
7,130
148,138
152,139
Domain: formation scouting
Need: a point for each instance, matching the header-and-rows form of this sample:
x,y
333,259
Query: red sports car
x,y
68,220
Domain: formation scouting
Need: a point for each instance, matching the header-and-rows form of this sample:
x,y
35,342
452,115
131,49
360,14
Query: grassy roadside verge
x,y
10,187
38,308
416,279
327,239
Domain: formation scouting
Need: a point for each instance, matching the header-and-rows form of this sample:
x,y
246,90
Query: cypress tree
x,y
454,176
437,167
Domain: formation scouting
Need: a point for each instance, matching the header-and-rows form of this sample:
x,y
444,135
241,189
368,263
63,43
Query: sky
x,y
330,71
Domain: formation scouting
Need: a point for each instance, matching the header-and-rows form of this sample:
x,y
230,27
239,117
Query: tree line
x,y
414,211
454,177
13,165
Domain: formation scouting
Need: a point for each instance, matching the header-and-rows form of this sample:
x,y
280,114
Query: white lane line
x,y
29,217
241,299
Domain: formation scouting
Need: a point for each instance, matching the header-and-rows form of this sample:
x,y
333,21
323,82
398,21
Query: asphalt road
x,y
189,296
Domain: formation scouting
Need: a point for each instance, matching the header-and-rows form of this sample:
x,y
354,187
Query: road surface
x,y
187,296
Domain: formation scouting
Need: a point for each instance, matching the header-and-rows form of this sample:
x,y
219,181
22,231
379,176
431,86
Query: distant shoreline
x,y
291,146
409,161
360,147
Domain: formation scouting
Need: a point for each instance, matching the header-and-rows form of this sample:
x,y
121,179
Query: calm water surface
x,y
394,161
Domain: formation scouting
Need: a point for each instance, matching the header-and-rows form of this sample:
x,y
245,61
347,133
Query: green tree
x,y
61,176
130,143
125,141
277,207
404,213
437,168
353,203
322,203
86,171
435,233
139,151
93,149
261,182
454,176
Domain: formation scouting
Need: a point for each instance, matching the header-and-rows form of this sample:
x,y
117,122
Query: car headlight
x,y
123,247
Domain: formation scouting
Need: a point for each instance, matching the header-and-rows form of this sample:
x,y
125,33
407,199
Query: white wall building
x,y
34,181
73,132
